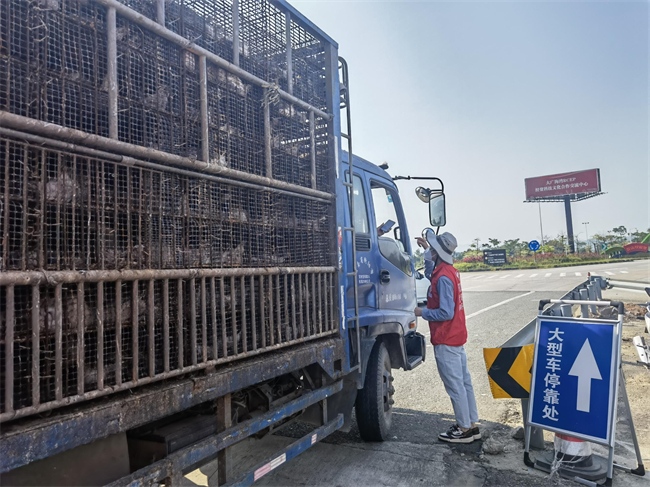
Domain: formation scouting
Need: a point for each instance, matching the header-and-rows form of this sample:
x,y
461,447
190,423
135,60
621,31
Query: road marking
x,y
609,273
507,275
479,277
533,275
498,304
595,274
548,275
492,276
520,275
562,274
578,274
624,272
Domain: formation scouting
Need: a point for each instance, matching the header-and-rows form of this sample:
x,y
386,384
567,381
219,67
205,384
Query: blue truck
x,y
189,255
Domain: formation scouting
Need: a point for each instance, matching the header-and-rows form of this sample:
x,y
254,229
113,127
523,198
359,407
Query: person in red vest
x,y
446,316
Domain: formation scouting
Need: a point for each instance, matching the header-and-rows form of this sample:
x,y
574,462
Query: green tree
x,y
418,258
494,242
639,236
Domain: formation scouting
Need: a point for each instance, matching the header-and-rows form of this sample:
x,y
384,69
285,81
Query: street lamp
x,y
586,232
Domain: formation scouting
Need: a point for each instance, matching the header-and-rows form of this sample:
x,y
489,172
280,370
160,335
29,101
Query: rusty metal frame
x,y
32,439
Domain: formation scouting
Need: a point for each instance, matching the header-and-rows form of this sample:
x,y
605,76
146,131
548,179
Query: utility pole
x,y
541,229
569,224
586,232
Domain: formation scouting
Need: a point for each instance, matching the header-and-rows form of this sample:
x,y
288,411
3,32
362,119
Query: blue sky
x,y
485,94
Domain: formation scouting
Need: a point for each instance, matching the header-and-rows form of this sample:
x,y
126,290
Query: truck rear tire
x,y
374,405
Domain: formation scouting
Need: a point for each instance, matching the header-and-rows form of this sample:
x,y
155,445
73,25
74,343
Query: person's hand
x,y
380,232
422,242
418,311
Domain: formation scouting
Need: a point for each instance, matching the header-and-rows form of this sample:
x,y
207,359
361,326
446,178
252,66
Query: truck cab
x,y
385,291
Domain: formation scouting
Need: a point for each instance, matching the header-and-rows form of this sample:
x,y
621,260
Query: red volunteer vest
x,y
454,331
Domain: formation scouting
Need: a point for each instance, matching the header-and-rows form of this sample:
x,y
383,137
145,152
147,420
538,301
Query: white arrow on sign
x,y
585,369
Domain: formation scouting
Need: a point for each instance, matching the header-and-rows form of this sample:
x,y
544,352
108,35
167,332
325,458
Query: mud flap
x,y
415,345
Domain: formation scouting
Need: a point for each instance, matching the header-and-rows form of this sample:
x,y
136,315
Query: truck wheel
x,y
374,406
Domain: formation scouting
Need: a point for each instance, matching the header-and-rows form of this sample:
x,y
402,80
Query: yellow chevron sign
x,y
509,371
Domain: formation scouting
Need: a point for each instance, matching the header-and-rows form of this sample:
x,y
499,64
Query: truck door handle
x,y
384,277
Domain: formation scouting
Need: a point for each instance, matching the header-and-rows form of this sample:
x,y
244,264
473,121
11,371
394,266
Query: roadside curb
x,y
554,266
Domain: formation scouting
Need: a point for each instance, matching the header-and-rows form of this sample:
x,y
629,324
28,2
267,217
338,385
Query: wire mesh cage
x,y
116,272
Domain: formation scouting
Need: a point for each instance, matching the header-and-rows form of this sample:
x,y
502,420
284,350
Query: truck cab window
x,y
389,224
361,224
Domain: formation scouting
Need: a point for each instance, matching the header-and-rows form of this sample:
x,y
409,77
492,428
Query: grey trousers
x,y
452,367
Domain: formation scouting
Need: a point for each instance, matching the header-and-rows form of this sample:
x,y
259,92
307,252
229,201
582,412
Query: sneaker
x,y
456,435
476,433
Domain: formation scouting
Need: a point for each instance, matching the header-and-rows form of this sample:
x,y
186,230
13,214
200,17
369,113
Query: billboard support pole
x,y
569,224
541,228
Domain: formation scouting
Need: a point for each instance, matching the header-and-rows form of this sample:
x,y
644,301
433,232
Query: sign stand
x,y
574,389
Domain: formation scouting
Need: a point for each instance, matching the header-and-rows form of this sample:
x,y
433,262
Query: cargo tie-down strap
x,y
509,371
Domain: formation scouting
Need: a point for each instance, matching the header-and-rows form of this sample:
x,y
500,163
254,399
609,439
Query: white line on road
x,y
548,275
533,275
492,276
578,274
624,272
479,277
507,275
562,274
609,273
497,305
595,274
520,275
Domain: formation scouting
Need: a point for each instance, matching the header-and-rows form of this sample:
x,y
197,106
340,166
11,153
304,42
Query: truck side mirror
x,y
437,210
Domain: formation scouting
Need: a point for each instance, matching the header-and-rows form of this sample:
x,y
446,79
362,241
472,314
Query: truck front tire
x,y
374,405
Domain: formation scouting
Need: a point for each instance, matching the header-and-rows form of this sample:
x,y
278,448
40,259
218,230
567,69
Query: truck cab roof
x,y
367,166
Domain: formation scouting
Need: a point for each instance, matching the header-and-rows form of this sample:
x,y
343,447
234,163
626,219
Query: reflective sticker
x,y
313,439
342,308
272,465
336,155
390,198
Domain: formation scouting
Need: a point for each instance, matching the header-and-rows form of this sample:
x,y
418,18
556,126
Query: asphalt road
x,y
497,305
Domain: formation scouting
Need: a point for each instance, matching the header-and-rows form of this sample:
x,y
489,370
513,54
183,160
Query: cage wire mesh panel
x,y
189,270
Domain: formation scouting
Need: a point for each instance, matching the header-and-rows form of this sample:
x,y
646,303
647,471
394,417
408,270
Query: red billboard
x,y
567,183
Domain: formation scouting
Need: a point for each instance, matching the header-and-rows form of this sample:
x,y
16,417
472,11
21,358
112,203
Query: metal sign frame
x,y
613,381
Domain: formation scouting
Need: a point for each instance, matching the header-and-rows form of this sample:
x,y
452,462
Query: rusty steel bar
x,y
129,244
233,311
262,312
147,380
271,314
313,302
287,23
9,350
58,211
111,74
213,302
127,160
166,325
278,308
134,333
58,345
29,278
23,240
5,229
36,356
81,324
286,303
302,320
100,335
268,154
87,228
101,186
74,207
235,32
244,331
253,315
224,335
328,303
193,320
205,126
118,332
151,329
179,325
312,148
141,251
204,321
307,324
160,12
53,131
320,303
293,305
41,217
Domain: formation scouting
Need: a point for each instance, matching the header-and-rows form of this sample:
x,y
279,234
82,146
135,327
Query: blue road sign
x,y
573,385
534,245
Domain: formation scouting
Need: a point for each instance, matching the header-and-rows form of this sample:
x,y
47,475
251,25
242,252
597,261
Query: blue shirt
x,y
446,292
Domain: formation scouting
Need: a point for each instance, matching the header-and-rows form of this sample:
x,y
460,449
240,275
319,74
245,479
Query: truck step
x,y
414,360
